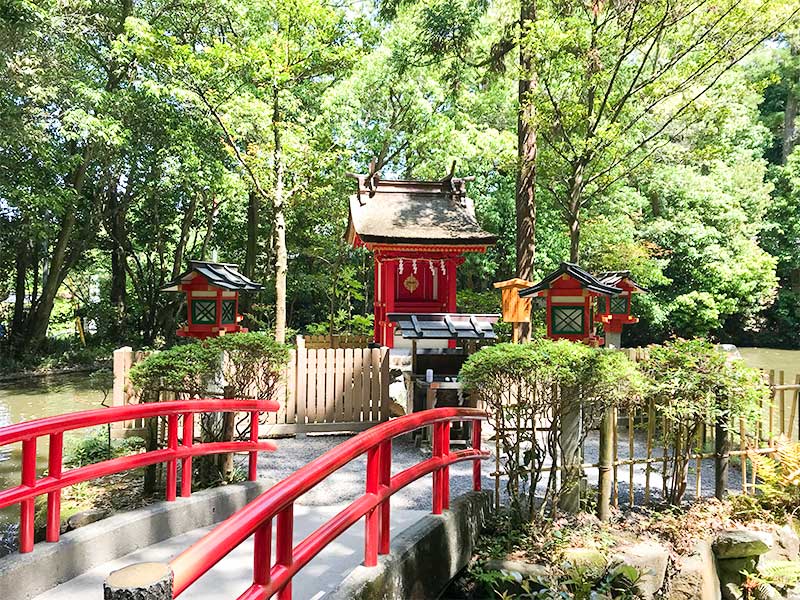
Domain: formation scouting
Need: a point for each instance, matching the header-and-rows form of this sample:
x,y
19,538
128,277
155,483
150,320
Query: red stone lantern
x,y
614,312
418,232
212,298
569,292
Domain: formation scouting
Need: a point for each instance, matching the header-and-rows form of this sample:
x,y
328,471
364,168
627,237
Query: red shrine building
x,y
576,300
212,298
418,233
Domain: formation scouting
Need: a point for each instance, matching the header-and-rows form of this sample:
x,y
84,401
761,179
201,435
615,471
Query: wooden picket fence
x,y
314,342
332,390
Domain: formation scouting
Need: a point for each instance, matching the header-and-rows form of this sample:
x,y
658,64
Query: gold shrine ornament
x,y
411,283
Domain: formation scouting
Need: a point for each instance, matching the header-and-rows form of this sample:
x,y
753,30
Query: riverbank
x,y
54,372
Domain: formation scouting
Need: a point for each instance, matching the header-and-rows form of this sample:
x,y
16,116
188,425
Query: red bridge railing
x,y
57,479
277,503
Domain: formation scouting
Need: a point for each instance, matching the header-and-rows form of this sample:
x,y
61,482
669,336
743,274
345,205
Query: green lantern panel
x,y
567,320
619,305
204,312
228,312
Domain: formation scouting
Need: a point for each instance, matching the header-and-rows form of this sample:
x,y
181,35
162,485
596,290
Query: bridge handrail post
x,y
27,507
262,554
446,469
438,500
284,547
385,481
172,464
372,520
252,459
186,463
54,468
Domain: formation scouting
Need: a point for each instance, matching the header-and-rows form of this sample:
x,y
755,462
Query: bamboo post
x,y
699,461
721,458
606,459
651,427
782,400
664,460
615,442
743,456
771,408
631,453
795,403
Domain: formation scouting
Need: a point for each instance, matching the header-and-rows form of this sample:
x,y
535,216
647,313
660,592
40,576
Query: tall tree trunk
x,y
281,258
252,235
119,273
186,225
40,315
574,202
575,199
790,112
526,152
21,265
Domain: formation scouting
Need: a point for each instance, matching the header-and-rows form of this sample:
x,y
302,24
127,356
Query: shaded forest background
x,y
656,137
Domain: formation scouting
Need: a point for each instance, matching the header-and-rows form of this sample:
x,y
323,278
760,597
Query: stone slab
x,y
23,576
425,557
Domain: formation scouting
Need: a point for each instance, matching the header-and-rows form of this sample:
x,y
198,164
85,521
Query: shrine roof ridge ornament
x,y
401,211
222,275
586,279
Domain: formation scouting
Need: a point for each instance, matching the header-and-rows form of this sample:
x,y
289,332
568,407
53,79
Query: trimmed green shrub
x,y
190,367
529,389
692,382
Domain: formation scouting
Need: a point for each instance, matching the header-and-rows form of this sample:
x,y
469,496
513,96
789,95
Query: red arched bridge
x,y
271,576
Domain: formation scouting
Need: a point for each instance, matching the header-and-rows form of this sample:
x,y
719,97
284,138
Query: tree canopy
x,y
658,137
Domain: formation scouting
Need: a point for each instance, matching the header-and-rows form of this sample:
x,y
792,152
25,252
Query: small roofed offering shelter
x,y
418,233
212,298
515,310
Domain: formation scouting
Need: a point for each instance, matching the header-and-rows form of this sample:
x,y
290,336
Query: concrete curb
x,y
24,576
424,558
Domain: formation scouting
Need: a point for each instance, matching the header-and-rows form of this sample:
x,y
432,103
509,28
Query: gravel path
x,y
348,483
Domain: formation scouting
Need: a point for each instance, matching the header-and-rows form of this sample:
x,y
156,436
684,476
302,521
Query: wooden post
x,y
604,468
721,458
144,580
123,359
570,499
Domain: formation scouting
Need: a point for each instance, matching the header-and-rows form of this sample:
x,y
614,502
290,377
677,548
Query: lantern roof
x,y
395,211
586,279
223,275
614,278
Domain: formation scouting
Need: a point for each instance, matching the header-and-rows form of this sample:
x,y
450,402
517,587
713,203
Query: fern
x,y
783,573
779,475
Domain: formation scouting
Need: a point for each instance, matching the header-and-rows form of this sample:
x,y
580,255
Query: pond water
x,y
772,358
32,398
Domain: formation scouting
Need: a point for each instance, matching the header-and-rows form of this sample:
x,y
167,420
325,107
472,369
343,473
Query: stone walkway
x,y
234,573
